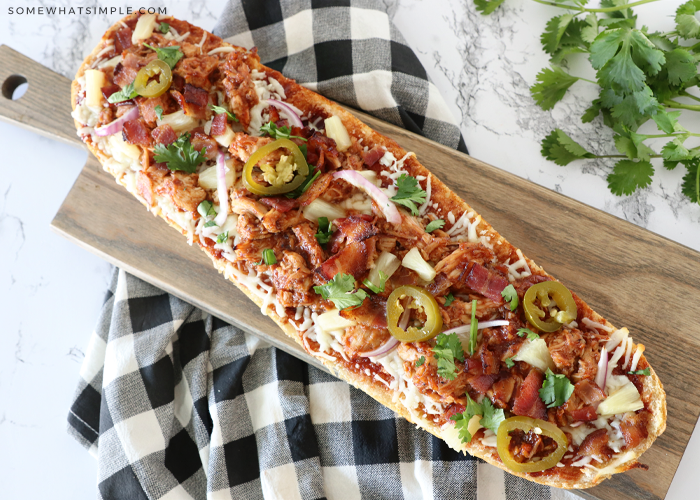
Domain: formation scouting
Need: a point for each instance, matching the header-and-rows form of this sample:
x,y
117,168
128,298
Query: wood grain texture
x,y
629,275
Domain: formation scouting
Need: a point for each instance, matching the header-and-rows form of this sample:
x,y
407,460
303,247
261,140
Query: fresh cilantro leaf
x,y
556,389
219,110
473,408
206,209
564,52
446,350
590,32
180,155
382,283
473,329
622,56
222,238
124,94
632,145
687,24
551,37
509,362
339,290
159,111
645,371
164,27
691,181
675,151
449,298
562,149
511,296
169,55
628,176
667,120
526,331
268,256
681,66
271,129
409,193
492,417
552,84
486,7
323,235
420,361
211,223
461,421
313,175
434,224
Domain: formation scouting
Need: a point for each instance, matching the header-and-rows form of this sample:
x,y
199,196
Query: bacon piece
x,y
372,156
322,150
195,95
218,124
596,444
503,391
127,69
190,108
178,83
527,401
108,90
482,383
371,313
453,409
351,230
585,414
147,107
164,135
482,281
122,40
634,428
136,132
353,259
196,70
310,247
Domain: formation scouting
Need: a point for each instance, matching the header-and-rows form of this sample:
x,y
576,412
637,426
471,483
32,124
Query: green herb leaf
x,y
409,193
446,350
687,24
169,55
124,94
551,37
219,110
556,389
511,296
552,84
667,120
434,224
159,111
211,223
645,371
611,55
492,417
164,27
562,149
691,181
590,32
382,283
628,176
180,155
509,362
339,290
473,330
271,129
222,238
675,150
206,209
313,175
420,361
268,257
486,7
449,298
323,235
526,331
681,66
461,421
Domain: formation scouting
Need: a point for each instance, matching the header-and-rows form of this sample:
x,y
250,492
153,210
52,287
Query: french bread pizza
x,y
364,257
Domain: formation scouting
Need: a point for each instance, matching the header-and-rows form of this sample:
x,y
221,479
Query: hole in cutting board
x,y
14,87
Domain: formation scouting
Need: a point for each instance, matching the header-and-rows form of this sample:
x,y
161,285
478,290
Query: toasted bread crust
x,y
653,394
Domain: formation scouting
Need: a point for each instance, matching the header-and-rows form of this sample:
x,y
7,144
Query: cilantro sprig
x,y
641,76
340,291
449,298
169,55
324,233
491,417
180,155
447,349
526,331
271,129
409,193
124,94
645,371
219,110
377,288
434,224
511,296
556,389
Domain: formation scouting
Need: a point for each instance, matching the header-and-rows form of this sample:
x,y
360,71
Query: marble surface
x,y
51,290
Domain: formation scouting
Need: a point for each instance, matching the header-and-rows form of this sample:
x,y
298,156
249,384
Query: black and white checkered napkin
x,y
176,404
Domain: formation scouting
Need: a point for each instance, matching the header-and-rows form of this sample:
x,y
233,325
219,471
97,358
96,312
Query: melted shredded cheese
x,y
521,263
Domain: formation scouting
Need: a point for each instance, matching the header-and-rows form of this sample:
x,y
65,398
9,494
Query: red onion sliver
x,y
389,346
222,189
480,326
287,111
358,180
117,125
403,320
602,374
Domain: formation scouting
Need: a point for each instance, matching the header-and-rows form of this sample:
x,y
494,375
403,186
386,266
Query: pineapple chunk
x,y
179,122
226,138
337,131
94,81
208,178
625,399
535,353
144,28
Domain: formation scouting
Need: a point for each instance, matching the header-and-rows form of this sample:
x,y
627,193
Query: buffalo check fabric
x,y
348,51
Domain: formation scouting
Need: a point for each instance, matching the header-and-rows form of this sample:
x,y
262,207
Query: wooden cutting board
x,y
629,275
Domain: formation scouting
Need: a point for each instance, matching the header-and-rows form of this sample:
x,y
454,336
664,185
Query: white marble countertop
x,y
51,290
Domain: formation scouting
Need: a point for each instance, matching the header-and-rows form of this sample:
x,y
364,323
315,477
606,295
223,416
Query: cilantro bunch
x,y
641,74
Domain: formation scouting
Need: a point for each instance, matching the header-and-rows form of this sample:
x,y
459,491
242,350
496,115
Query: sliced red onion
x,y
389,346
287,111
480,326
118,124
403,320
602,375
358,180
222,189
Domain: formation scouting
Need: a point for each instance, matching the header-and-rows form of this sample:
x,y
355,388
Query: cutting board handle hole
x,y
14,87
